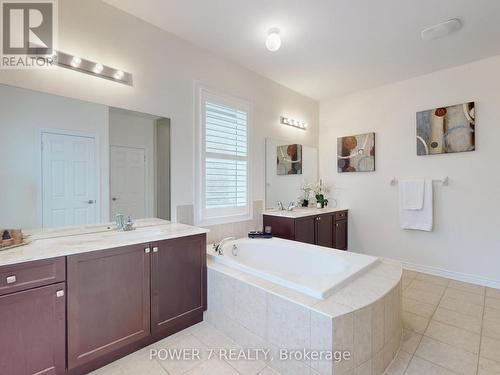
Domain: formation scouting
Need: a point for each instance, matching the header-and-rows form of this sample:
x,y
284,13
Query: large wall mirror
x,y
288,166
65,162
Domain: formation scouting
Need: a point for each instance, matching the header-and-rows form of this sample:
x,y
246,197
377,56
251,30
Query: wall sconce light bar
x,y
91,67
295,123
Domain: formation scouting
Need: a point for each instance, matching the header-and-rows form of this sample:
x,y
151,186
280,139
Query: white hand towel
x,y
411,194
419,219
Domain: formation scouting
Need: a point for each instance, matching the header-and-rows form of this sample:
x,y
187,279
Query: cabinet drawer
x,y
341,215
14,278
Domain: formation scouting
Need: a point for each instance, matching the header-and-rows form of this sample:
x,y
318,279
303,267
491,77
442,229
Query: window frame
x,y
214,216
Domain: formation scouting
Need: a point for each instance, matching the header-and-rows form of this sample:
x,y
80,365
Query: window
x,y
223,160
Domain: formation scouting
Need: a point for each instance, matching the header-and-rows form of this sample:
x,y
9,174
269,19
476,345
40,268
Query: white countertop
x,y
69,241
302,212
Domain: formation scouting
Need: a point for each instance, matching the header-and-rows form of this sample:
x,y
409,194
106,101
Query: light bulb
x,y
98,68
76,61
273,41
119,74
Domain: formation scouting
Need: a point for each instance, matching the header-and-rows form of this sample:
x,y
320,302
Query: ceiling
x,y
330,47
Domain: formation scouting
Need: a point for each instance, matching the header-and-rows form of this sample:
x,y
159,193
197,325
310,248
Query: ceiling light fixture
x,y
273,40
93,68
75,62
295,123
98,68
441,29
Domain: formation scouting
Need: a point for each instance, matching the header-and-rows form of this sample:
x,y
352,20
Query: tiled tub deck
x,y
363,318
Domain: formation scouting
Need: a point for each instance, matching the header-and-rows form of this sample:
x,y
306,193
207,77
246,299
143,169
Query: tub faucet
x,y
217,247
124,223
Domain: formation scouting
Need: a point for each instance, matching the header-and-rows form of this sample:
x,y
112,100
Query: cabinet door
x,y
33,331
340,231
324,230
305,230
108,301
178,281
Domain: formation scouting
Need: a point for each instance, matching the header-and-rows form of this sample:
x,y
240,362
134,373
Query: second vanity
x,y
84,298
323,227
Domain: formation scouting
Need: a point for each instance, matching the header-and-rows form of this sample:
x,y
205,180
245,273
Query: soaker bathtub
x,y
309,269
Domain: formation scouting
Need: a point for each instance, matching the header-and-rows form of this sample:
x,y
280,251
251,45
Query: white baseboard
x,y
467,278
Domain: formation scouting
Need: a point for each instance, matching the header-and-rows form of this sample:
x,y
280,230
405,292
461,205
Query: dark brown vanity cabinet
x,y
33,318
125,298
108,301
178,287
329,230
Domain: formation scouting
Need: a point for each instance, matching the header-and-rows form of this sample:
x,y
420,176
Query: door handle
x,y
114,199
155,249
11,279
147,250
60,293
90,201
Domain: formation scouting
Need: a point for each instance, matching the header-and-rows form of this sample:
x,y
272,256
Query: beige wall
x,y
465,240
165,70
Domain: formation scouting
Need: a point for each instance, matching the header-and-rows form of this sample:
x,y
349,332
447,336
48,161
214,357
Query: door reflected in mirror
x,y
66,162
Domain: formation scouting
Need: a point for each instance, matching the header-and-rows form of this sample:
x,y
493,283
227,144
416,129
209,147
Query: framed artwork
x,y
446,130
356,153
289,159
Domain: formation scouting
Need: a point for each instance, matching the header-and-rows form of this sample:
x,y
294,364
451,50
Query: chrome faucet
x,y
291,206
217,246
280,205
124,223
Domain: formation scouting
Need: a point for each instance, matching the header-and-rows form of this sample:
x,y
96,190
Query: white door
x,y
128,181
69,180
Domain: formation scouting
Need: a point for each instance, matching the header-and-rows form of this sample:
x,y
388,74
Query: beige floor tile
x,y
423,309
491,328
414,322
492,314
410,274
493,293
462,296
493,303
467,322
432,279
427,286
462,307
400,364
454,336
423,296
212,337
490,348
268,371
467,287
488,367
419,366
447,356
213,367
133,364
189,342
410,341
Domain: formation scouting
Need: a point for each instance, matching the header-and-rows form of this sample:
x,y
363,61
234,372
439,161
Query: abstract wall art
x,y
446,130
289,159
356,153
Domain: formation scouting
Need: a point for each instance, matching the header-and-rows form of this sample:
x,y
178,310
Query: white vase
x,y
318,205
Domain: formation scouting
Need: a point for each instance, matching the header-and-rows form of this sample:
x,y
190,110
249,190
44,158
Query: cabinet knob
x,y
336,225
60,293
147,250
11,279
155,249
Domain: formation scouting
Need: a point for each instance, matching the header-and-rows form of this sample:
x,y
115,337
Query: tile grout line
x,y
481,336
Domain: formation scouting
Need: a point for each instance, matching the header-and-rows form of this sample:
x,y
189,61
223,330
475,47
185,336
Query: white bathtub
x,y
312,270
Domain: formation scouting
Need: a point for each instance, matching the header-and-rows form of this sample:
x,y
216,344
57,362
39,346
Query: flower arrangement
x,y
320,190
306,189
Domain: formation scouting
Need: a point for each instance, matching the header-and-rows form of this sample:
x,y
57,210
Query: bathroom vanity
x,y
323,227
84,300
